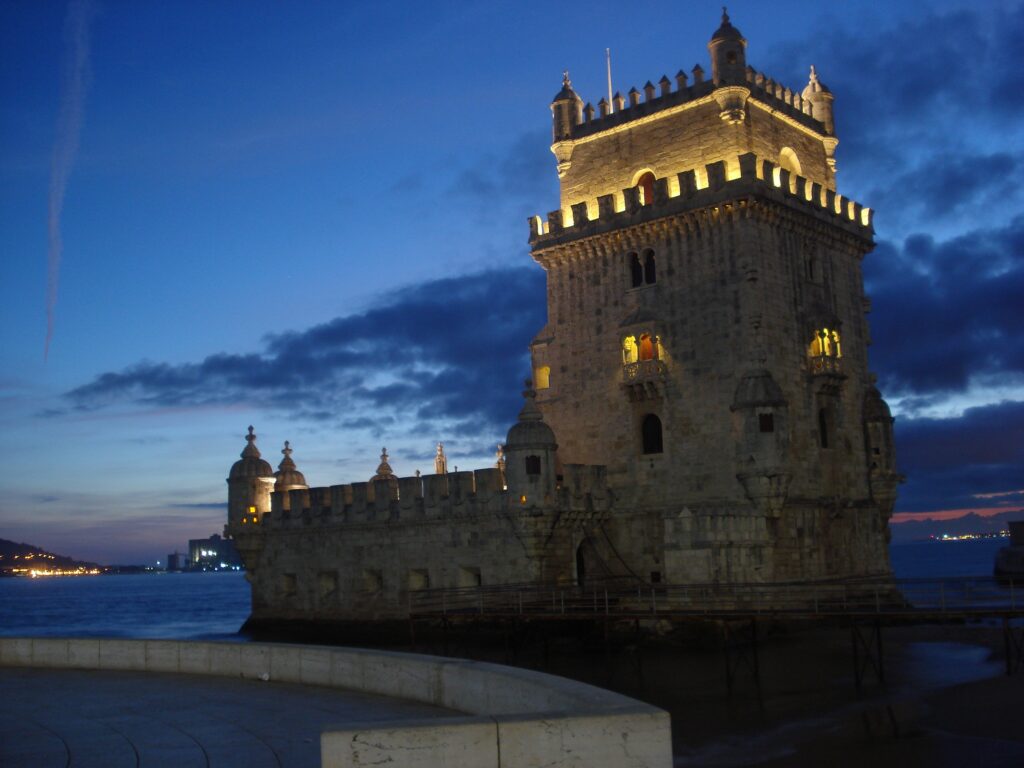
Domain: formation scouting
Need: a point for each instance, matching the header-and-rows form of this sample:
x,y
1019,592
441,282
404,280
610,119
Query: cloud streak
x,y
448,351
74,83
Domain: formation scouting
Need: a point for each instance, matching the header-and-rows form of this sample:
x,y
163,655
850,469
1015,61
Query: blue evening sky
x,y
311,217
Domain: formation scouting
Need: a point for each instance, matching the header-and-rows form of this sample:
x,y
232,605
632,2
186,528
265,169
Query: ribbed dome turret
x,y
566,111
250,465
726,31
875,408
384,471
814,85
288,475
567,93
530,431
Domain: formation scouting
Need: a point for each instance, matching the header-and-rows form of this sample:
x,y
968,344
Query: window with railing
x,y
642,357
825,351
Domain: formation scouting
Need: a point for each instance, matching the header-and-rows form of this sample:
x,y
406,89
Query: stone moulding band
x,y
513,717
750,176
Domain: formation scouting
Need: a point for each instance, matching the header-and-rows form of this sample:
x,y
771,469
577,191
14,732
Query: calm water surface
x,y
164,605
215,605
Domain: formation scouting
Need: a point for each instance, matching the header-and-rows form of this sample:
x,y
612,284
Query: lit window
x,y
542,376
646,186
825,344
630,353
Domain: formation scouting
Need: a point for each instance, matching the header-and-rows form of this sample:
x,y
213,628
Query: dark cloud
x,y
974,461
451,350
927,110
517,180
941,189
947,312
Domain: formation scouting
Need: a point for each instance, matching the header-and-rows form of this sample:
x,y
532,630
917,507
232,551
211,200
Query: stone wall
x,y
537,719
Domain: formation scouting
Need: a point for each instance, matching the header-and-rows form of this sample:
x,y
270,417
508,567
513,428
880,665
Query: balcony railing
x,y
642,371
823,365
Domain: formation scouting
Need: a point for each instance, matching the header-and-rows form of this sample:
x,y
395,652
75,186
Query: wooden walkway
x,y
866,606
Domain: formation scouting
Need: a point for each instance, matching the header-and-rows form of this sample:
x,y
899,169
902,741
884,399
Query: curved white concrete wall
x,y
514,718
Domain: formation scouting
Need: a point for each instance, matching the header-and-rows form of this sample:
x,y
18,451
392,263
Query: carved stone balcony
x,y
825,365
644,379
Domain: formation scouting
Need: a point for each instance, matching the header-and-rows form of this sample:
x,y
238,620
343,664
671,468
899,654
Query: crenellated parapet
x,y
744,177
653,100
425,497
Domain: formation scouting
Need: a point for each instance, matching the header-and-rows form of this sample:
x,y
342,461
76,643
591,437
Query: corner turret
x,y
728,51
288,477
566,110
820,99
530,455
249,484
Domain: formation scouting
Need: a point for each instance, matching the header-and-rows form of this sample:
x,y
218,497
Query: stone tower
x,y
250,483
707,334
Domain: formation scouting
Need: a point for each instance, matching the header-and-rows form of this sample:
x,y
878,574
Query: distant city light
x,y
969,536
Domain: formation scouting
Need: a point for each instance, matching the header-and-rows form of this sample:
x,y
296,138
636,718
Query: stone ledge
x,y
514,717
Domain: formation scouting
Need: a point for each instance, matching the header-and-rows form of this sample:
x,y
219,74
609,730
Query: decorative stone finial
x,y
440,461
384,470
725,15
530,411
287,450
250,450
566,82
286,463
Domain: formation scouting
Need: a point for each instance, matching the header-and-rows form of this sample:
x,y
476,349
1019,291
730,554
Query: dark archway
x,y
650,433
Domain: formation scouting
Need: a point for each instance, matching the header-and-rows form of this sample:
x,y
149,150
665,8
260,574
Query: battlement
x,y
696,188
661,98
581,489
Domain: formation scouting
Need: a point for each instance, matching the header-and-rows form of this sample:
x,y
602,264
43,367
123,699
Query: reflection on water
x,y
929,665
174,605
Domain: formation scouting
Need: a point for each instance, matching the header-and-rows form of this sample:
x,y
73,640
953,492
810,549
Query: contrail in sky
x,y
74,80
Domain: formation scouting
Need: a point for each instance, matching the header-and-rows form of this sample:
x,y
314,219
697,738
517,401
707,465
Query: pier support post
x,y
867,652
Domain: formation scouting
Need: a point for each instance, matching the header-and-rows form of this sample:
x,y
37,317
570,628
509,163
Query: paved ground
x,y
65,718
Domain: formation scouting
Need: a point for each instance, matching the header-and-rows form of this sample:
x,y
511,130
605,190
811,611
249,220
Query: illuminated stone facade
x,y
704,410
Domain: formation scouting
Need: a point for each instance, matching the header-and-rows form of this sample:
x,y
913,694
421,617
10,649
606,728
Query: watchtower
x,y
707,334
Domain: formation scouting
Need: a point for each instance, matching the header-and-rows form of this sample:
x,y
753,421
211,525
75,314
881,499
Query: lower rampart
x,y
513,718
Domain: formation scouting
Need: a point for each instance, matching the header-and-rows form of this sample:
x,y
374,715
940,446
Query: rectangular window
x,y
655,577
289,585
766,422
419,578
327,584
469,576
373,581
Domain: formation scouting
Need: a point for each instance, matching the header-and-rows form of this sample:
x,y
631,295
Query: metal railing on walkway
x,y
921,598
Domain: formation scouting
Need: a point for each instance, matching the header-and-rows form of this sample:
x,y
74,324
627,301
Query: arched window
x,y
649,274
646,187
542,376
630,352
825,344
533,465
648,347
650,434
636,271
788,161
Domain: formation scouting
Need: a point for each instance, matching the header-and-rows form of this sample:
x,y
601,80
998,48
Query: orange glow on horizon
x,y
950,514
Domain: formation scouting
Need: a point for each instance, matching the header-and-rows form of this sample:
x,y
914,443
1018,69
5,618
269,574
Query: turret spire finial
x,y
565,79
725,15
250,449
287,450
384,471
